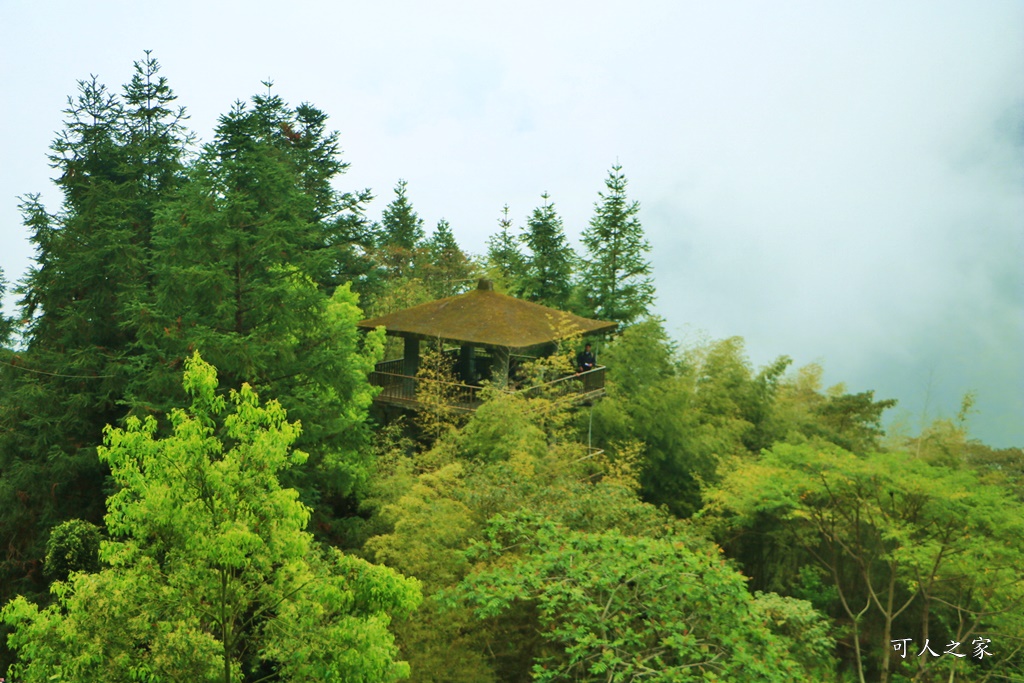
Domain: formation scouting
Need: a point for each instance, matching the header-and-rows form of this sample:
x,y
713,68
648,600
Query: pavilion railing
x,y
393,367
581,383
414,391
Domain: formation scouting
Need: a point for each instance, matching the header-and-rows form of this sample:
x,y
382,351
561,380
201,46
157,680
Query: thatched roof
x,y
486,317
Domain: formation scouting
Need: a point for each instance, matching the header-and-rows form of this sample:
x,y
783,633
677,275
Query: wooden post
x,y
412,356
411,365
467,363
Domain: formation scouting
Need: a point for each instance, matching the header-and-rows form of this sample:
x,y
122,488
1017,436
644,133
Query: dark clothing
x,y
585,361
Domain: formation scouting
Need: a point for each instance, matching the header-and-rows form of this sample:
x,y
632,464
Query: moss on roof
x,y
486,317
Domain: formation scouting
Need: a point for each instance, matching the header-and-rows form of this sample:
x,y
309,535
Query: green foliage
x,y
415,269
515,453
688,409
399,295
503,430
400,235
116,159
585,570
809,630
426,523
641,356
644,384
505,263
611,607
909,548
245,257
1000,466
737,403
74,546
6,324
439,392
803,412
446,270
431,527
211,575
615,276
549,265
238,252
853,421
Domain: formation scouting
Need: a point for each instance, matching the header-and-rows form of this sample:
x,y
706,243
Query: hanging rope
x,y
54,374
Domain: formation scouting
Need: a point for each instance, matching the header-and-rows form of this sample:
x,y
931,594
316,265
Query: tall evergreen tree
x,y
154,254
117,158
505,262
447,268
400,234
616,275
245,266
549,266
344,235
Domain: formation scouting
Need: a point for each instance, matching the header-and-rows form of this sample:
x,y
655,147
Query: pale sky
x,y
839,182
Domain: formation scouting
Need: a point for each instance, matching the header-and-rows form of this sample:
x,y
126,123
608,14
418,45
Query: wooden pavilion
x,y
491,333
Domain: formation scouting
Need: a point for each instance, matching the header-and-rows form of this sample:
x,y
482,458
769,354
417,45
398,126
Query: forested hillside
x,y
196,487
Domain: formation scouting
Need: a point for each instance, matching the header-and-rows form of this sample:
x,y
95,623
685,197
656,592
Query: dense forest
x,y
196,486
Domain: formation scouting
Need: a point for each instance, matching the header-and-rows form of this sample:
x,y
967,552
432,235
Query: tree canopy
x,y
118,157
549,264
242,249
204,535
705,519
400,234
505,263
909,549
615,275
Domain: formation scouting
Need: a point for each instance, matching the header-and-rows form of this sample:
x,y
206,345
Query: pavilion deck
x,y
401,390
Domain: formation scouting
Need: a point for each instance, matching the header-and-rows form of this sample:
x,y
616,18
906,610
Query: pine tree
x,y
344,235
505,262
246,260
549,265
448,270
238,252
616,275
400,235
117,158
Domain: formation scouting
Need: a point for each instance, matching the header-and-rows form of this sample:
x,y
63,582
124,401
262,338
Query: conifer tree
x,y
117,158
505,262
549,266
344,236
238,252
616,275
447,268
246,260
400,234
